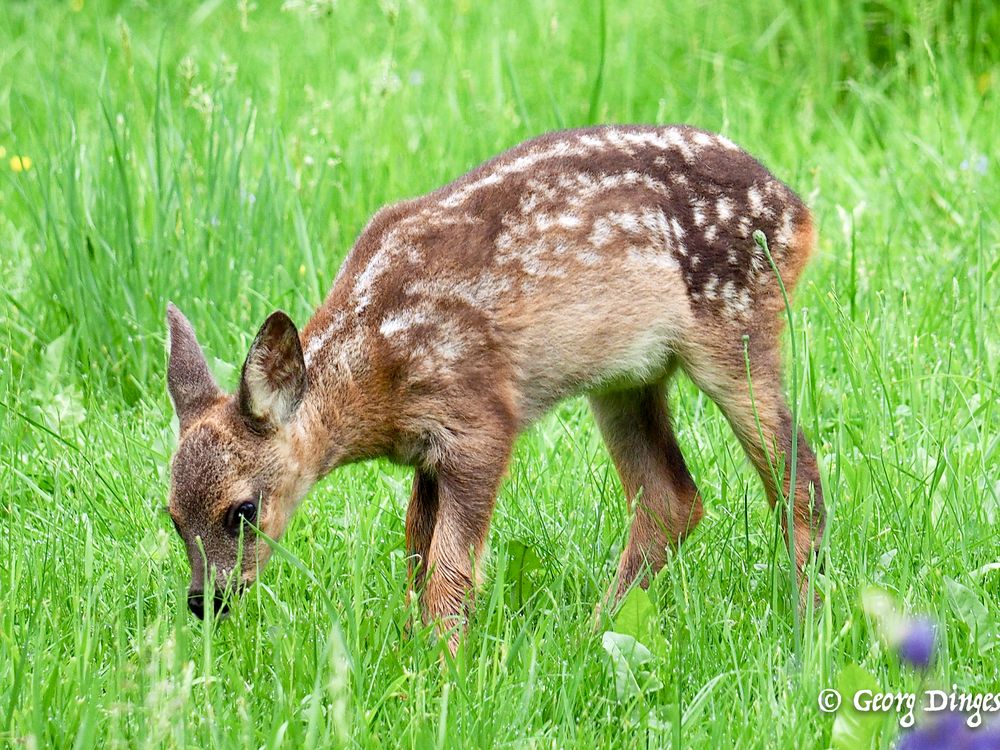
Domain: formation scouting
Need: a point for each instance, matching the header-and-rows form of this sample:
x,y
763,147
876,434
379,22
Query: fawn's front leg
x,y
466,493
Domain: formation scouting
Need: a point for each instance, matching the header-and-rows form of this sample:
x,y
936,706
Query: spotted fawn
x,y
593,262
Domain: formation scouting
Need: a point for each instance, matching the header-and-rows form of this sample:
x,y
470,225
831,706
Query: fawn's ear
x,y
191,386
274,375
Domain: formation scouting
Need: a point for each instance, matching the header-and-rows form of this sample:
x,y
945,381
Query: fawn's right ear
x,y
191,386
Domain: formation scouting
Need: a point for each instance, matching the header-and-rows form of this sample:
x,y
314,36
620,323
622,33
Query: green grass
x,y
226,160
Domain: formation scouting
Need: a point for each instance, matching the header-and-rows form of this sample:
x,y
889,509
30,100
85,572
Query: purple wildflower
x,y
916,644
947,733
986,739
951,732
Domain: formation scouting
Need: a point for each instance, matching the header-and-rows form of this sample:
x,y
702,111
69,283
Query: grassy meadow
x,y
224,155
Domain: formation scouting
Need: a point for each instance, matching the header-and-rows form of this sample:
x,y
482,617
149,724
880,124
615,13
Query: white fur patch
x,y
698,212
784,234
710,287
568,221
726,143
625,220
519,164
703,139
378,264
600,235
317,342
401,321
724,209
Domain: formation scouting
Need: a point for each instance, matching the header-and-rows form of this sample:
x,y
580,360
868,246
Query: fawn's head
x,y
235,466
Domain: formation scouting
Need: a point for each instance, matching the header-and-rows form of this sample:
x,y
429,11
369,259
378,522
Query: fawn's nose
x,y
196,603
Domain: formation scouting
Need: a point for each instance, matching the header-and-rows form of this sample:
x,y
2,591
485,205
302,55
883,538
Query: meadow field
x,y
225,154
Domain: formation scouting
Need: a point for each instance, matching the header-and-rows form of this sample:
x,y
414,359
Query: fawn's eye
x,y
242,513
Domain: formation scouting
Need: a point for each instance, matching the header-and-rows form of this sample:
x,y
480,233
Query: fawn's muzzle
x,y
196,603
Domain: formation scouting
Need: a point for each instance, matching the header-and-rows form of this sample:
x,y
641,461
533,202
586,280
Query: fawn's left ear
x,y
191,386
274,375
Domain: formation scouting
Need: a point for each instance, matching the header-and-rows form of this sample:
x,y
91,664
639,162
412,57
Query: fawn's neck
x,y
346,413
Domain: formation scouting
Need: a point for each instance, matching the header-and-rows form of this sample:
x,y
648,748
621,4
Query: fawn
x,y
593,261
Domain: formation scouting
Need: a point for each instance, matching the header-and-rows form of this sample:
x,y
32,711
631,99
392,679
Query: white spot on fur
x,y
618,140
600,235
702,139
380,261
678,140
784,234
655,223
625,220
483,291
665,139
711,233
724,209
737,301
315,344
518,164
729,292
726,143
677,233
698,212
710,287
568,221
744,300
401,321
755,200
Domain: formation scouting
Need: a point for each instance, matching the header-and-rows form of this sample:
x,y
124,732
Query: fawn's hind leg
x,y
760,417
636,427
421,515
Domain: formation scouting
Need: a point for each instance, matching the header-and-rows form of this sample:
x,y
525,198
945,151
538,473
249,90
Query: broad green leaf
x,y
853,730
629,660
637,617
58,401
54,355
970,610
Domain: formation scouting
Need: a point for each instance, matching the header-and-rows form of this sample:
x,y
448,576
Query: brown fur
x,y
593,261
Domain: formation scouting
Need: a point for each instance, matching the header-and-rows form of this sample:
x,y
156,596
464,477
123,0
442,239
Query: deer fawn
x,y
590,261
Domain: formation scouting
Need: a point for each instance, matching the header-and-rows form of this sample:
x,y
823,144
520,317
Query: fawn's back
x,y
579,260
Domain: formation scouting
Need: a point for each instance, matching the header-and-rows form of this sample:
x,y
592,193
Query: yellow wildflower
x,y
76,5
20,163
